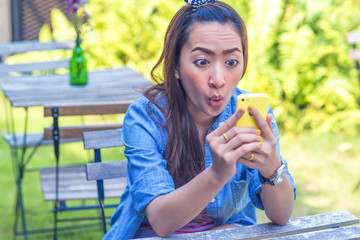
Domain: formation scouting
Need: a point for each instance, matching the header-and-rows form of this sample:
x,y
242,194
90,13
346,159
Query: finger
x,y
242,138
268,121
251,164
260,121
246,149
240,131
224,126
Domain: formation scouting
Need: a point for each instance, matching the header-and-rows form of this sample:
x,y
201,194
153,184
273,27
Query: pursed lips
x,y
216,101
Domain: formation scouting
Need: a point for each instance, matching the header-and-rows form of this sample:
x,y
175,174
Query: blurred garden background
x,y
298,55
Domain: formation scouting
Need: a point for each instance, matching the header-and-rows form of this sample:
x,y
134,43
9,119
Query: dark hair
x,y
184,155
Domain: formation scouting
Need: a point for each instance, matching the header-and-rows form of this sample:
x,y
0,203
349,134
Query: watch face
x,y
281,173
279,178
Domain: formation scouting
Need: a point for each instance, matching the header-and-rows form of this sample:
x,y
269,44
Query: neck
x,y
203,126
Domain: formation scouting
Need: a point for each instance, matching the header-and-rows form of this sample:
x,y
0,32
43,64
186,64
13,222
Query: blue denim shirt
x,y
147,177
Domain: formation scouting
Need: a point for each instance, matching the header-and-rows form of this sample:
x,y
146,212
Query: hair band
x,y
198,3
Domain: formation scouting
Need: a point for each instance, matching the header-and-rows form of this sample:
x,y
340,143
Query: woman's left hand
x,y
265,159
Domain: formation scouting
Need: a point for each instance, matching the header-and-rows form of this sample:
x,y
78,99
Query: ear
x,y
177,76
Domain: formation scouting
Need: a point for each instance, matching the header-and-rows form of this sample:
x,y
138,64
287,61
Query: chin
x,y
215,112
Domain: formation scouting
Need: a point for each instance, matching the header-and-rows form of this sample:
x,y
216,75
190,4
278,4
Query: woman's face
x,y
210,67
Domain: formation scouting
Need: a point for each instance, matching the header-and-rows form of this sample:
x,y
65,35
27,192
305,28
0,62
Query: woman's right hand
x,y
228,143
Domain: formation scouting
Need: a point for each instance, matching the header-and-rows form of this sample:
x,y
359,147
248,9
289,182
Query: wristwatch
x,y
276,178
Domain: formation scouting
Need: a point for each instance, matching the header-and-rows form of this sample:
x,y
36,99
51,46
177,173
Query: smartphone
x,y
258,100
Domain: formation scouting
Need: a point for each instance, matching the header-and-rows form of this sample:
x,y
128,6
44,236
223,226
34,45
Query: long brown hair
x,y
184,155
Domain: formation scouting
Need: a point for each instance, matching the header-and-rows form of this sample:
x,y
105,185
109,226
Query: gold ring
x,y
252,156
226,138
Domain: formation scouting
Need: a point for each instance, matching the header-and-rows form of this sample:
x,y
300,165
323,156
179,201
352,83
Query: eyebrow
x,y
235,49
208,51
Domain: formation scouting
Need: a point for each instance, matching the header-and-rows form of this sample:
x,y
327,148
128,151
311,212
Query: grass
x,y
325,169
326,173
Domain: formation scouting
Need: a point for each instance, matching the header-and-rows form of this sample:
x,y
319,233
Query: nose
x,y
217,77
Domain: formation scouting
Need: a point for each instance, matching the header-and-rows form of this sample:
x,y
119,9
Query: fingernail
x,y
260,137
251,107
241,109
260,143
258,130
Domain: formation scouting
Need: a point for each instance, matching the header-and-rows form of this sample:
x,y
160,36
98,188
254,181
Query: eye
x,y
232,63
201,62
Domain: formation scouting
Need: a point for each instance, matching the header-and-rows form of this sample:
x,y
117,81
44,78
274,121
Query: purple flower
x,y
79,15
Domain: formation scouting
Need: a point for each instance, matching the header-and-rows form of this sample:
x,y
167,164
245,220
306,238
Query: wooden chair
x,y
110,177
13,48
20,142
353,38
63,183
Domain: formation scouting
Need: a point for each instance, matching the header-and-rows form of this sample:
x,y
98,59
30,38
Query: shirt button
x,y
212,200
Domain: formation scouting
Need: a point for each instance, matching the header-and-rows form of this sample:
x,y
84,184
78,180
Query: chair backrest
x,y
353,38
97,140
76,132
12,48
100,171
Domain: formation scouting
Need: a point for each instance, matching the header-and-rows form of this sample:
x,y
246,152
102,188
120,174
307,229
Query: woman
x,y
189,167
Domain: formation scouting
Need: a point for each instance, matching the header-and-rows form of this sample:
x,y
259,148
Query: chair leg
x,y
19,210
56,139
103,220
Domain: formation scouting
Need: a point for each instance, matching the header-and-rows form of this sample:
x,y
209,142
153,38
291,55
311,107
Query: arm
x,y
169,212
278,200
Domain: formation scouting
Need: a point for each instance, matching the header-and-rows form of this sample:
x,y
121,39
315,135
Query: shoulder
x,y
143,109
144,122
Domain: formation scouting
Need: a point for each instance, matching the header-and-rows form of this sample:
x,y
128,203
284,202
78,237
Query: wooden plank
x,y
77,192
74,185
106,170
16,87
354,54
98,109
47,99
70,100
343,233
102,139
77,185
270,230
33,139
98,77
353,37
36,66
112,85
33,46
77,131
63,196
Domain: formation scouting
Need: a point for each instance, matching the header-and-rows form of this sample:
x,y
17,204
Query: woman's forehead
x,y
213,32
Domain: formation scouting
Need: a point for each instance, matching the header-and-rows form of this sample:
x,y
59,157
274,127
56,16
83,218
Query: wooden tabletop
x,y
332,225
104,86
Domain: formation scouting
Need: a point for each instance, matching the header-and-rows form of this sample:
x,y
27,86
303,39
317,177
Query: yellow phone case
x,y
258,100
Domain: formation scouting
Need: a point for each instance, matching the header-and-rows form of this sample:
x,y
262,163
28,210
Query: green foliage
x,y
298,52
124,32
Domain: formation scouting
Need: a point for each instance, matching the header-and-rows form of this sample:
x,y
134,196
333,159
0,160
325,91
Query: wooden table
x,y
332,225
110,85
105,87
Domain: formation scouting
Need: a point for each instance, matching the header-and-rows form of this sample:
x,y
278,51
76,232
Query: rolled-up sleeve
x,y
145,141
